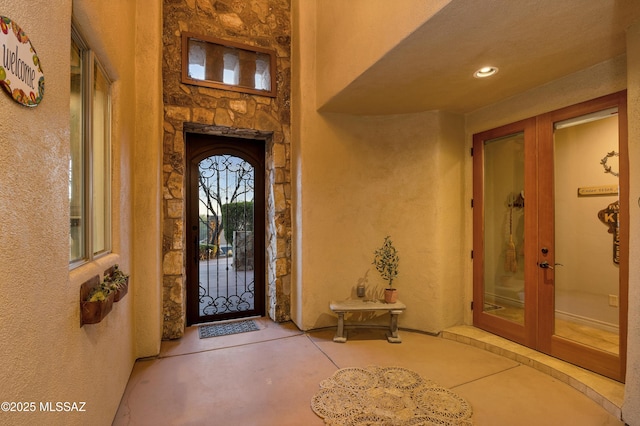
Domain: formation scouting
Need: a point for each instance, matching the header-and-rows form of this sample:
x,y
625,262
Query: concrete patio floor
x,y
268,377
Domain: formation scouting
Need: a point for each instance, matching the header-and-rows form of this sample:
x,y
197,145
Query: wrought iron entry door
x,y
225,238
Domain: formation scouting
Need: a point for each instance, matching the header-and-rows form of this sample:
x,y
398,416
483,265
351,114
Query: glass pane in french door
x,y
504,286
226,241
586,231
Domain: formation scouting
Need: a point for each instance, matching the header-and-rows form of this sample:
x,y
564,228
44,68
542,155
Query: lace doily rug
x,y
387,396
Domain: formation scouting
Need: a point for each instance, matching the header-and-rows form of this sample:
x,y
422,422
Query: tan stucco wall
x,y
362,178
146,166
631,407
359,33
45,354
367,177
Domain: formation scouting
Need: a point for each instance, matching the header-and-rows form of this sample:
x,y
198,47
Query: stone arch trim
x,y
278,226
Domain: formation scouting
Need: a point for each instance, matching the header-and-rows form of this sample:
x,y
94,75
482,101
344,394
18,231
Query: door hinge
x,y
472,254
472,305
472,152
472,203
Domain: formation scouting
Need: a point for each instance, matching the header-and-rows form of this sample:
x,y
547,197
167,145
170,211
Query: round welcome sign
x,y
20,71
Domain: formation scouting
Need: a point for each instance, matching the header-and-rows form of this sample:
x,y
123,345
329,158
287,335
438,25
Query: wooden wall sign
x,y
21,75
588,191
609,217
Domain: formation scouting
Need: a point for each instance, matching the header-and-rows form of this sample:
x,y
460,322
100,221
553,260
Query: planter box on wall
x,y
123,289
93,312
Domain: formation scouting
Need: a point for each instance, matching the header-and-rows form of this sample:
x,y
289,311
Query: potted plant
x,y
117,281
96,301
386,261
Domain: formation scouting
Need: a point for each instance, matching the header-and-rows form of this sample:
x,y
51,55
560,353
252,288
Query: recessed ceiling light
x,y
485,72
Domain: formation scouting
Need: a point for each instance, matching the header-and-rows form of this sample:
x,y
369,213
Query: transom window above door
x,y
222,64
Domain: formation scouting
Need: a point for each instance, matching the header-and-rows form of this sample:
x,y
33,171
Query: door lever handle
x,y
545,265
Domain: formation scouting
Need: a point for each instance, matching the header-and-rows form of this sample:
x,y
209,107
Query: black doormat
x,y
214,330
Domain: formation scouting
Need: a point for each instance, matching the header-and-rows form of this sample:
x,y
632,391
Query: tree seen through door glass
x,y
226,243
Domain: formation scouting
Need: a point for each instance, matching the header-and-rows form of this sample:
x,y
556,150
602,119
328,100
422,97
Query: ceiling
x,y
532,42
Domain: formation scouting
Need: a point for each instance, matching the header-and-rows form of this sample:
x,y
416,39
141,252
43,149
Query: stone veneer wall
x,y
264,23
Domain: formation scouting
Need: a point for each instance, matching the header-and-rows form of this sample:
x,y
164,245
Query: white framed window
x,y
90,159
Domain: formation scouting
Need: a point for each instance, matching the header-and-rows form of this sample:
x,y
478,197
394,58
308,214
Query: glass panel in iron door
x,y
226,187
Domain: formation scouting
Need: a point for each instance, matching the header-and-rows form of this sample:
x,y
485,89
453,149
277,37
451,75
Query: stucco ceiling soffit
x,y
532,42
353,35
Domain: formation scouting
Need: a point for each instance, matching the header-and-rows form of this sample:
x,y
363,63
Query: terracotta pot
x,y
390,295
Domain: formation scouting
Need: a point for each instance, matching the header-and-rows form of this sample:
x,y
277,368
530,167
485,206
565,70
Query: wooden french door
x,y
551,233
505,231
225,227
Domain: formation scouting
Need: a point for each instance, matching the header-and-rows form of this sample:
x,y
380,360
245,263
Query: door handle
x,y
196,250
545,265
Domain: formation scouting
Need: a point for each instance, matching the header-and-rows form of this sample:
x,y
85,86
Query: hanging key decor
x,y
609,217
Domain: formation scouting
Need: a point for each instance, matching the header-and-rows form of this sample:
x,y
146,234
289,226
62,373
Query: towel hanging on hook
x,y
510,258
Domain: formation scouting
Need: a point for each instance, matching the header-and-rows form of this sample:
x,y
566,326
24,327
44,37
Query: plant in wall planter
x,y
117,281
96,301
386,261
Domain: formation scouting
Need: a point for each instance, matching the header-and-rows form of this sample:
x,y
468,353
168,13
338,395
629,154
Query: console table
x,y
345,306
